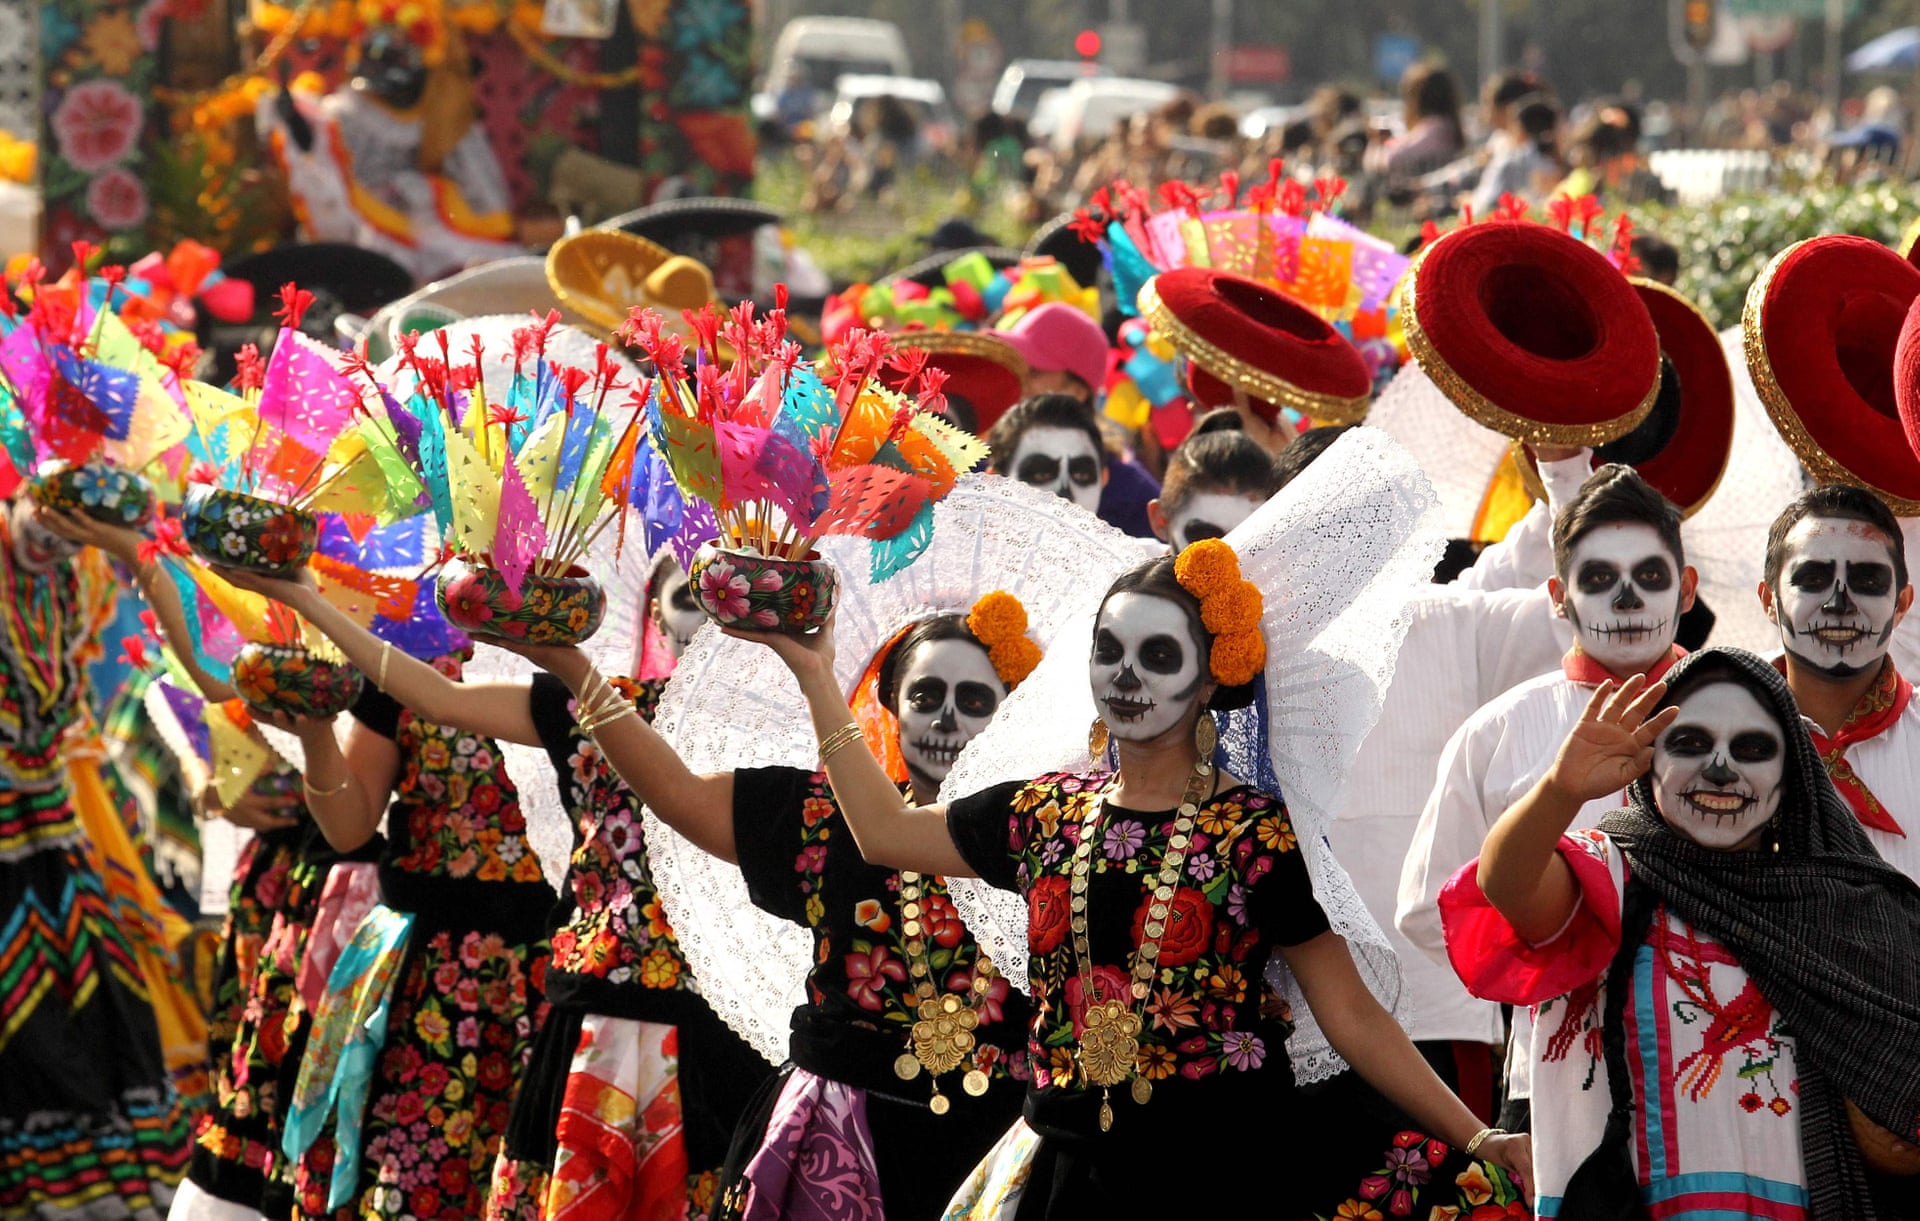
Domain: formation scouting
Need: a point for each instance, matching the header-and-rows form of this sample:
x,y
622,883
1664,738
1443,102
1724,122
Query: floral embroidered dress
x,y
1213,1040
619,987
467,995
260,1024
90,1125
801,863
1716,1123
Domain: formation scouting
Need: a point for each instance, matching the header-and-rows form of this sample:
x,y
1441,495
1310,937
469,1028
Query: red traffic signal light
x,y
1697,23
1086,44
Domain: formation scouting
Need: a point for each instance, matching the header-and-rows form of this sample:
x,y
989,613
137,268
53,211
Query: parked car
x,y
811,54
1024,80
1092,108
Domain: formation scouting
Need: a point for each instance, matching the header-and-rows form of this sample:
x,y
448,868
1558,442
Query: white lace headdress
x,y
1336,556
732,704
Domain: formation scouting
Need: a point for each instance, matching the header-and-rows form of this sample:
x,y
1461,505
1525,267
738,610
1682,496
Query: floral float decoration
x,y
272,453
522,478
90,393
784,456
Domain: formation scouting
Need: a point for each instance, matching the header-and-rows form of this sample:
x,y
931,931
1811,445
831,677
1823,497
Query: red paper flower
x,y
294,301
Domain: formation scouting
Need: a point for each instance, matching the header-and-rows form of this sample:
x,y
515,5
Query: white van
x,y
813,53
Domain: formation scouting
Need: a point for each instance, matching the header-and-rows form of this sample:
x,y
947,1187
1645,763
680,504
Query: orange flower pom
x,y
1238,658
1232,609
997,618
1206,567
1014,659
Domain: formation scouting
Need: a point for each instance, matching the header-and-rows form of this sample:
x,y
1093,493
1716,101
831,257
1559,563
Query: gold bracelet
x,y
610,717
838,741
386,655
332,792
1481,1137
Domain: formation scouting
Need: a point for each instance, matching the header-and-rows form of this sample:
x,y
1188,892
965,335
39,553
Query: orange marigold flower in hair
x,y
1205,567
1014,659
997,618
1238,658
1232,608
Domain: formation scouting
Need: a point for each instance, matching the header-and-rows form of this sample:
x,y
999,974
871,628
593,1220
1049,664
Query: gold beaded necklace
x,y
943,1030
1109,1049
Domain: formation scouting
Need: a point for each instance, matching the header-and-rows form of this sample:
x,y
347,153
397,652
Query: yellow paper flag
x,y
238,760
476,496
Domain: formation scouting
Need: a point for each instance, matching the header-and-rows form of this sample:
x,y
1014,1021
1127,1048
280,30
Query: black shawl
x,y
1829,932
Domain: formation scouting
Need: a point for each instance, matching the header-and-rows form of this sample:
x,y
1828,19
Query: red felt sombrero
x,y
1821,326
1532,333
1239,334
1683,446
1906,376
988,372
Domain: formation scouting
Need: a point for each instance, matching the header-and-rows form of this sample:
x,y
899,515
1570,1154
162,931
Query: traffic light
x,y
1086,44
1697,23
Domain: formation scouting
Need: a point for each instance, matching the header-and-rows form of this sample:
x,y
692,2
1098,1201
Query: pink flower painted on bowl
x,y
724,591
96,124
766,618
117,200
467,603
769,581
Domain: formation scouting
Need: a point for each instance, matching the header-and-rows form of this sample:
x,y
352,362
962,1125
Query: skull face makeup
x,y
36,548
1717,771
1063,461
1623,596
1836,602
1208,515
948,693
675,610
1145,670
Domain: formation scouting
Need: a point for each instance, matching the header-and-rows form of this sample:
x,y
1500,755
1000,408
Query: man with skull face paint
x,y
1735,909
1622,583
1836,585
863,1087
1050,442
616,972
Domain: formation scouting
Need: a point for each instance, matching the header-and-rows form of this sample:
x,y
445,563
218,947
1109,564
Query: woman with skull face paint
x,y
1726,955
616,982
906,1059
1155,895
1836,584
1214,482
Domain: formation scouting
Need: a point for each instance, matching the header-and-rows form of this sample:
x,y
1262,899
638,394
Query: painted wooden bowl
x,y
287,679
556,610
236,530
99,489
761,593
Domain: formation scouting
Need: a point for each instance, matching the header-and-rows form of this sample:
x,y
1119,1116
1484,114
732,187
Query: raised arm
x,y
155,587
347,790
890,831
1521,873
498,710
698,807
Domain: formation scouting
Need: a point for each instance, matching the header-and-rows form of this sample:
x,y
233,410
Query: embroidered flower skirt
x,y
460,1025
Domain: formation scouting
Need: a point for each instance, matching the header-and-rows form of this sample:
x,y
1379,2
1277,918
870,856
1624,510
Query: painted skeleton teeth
x,y
1719,803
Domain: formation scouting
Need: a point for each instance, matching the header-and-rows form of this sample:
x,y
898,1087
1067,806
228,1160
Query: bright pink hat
x,y
1061,336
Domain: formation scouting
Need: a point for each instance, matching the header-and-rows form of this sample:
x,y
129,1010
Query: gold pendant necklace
x,y
1109,1050
942,1036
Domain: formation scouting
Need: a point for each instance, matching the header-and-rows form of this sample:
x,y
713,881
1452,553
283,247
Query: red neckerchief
x,y
1876,712
1580,668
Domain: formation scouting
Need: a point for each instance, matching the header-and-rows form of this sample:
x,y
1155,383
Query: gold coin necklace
x,y
1109,1049
942,1035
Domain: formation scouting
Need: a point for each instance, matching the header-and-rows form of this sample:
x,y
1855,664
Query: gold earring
x,y
1206,736
1097,742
